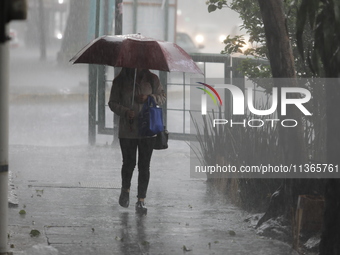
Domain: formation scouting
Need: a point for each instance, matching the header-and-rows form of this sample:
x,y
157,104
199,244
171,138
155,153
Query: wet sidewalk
x,y
67,192
70,195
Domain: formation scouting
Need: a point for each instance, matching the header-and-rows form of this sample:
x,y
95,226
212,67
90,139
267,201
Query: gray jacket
x,y
121,99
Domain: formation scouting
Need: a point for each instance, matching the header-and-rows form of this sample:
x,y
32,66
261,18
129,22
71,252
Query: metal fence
x,y
177,87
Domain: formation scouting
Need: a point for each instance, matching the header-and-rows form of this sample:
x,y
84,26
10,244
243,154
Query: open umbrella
x,y
136,51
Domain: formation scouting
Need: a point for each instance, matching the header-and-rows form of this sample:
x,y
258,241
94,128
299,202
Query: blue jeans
x,y
129,149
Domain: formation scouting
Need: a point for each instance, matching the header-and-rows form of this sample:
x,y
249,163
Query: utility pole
x,y
9,10
118,31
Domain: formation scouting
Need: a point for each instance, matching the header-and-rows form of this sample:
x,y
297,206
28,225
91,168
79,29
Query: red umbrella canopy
x,y
136,51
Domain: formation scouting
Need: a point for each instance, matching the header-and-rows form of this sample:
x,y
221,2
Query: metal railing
x,y
99,87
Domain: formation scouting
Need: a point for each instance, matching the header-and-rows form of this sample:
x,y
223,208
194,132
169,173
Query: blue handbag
x,y
150,119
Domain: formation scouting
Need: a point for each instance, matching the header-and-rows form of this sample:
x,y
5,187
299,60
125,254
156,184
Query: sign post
x,y
9,10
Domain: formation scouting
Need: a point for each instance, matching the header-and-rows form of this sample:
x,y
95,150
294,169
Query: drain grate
x,y
86,184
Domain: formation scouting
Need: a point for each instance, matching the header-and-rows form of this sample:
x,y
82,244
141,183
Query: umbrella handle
x,y
133,96
134,88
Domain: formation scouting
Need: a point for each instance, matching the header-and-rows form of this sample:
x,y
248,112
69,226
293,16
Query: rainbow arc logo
x,y
213,95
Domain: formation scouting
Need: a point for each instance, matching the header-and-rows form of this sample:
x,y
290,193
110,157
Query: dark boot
x,y
124,198
140,208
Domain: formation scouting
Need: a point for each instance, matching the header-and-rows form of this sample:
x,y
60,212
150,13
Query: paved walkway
x,y
70,195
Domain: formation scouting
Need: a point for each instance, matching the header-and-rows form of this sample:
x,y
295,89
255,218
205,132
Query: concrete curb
x,y
45,97
29,98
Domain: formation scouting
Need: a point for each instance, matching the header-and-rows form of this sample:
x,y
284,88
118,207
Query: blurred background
x,y
67,24
55,30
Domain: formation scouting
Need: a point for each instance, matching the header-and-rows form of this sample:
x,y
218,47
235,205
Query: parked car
x,y
184,41
211,36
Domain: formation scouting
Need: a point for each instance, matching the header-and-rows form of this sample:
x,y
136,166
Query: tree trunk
x,y
330,57
277,40
330,244
282,66
76,31
42,31
330,237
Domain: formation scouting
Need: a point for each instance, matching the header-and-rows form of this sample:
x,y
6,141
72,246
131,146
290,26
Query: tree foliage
x,y
323,19
249,12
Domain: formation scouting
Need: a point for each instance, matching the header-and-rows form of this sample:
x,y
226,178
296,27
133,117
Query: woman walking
x,y
131,143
